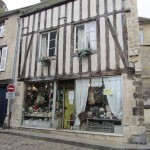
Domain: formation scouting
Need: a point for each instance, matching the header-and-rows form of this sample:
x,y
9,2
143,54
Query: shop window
x,y
99,105
48,44
3,57
38,105
86,36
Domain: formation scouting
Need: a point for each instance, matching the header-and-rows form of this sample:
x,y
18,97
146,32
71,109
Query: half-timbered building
x,y
79,68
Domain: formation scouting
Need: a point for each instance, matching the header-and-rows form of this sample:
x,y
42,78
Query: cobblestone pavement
x,y
11,142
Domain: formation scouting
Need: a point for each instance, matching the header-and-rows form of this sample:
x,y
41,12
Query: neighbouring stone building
x,y
145,55
8,36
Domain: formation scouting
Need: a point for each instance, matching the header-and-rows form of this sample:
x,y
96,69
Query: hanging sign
x,y
107,92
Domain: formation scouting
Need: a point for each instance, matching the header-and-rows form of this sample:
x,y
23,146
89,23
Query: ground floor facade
x,y
93,105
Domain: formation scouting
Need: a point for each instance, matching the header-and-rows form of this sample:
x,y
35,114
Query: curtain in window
x,y
80,37
44,45
81,97
96,82
114,100
91,35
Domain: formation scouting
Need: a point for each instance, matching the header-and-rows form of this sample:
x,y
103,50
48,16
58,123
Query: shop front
x,y
93,104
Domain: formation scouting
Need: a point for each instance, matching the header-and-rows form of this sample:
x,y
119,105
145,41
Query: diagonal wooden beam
x,y
26,56
118,46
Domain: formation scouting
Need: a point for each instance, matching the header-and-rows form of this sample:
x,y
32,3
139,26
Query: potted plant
x,y
45,60
84,52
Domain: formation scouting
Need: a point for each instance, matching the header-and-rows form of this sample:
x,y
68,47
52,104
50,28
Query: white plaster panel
x,y
23,52
112,48
84,9
25,25
101,7
55,16
31,23
103,43
45,70
53,67
69,10
28,58
36,22
48,23
110,5
33,55
76,10
62,14
85,64
60,51
42,20
118,4
76,65
93,8
39,64
94,62
120,34
68,49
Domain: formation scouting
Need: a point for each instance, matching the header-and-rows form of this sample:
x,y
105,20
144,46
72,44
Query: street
x,y
11,142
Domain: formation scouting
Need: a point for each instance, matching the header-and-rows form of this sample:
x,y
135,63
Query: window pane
x,y
52,44
92,45
80,46
53,35
44,45
51,52
80,29
91,26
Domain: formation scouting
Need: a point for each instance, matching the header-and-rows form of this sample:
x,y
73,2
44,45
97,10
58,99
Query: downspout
x,y
14,76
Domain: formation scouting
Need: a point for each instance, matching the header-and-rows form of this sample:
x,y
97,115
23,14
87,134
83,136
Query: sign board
x,y
10,95
11,88
107,92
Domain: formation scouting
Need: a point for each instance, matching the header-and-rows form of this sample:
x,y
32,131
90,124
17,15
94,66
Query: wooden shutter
x,y
3,59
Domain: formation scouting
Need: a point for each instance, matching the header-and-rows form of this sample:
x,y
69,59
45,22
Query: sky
x,y
143,5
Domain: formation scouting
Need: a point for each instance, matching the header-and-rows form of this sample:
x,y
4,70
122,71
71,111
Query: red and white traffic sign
x,y
11,88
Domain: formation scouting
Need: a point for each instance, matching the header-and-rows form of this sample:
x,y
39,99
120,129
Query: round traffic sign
x,y
10,88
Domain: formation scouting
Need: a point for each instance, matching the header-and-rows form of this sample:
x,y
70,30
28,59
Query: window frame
x,y
85,35
47,51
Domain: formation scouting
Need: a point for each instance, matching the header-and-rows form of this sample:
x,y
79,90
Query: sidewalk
x,y
76,141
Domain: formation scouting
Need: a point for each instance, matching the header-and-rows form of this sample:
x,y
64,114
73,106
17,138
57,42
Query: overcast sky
x,y
143,5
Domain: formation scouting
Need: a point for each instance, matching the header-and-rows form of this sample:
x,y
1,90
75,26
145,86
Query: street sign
x,y
10,95
11,88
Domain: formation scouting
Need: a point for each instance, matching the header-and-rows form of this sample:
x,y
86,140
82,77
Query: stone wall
x,y
134,129
9,39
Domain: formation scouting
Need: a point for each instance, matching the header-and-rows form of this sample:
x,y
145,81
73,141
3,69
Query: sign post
x,y
10,95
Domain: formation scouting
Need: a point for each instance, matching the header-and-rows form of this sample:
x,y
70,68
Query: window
x,y
86,36
48,44
141,36
3,56
1,30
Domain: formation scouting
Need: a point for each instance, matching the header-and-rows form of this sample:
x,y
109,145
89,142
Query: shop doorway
x,y
69,106
3,105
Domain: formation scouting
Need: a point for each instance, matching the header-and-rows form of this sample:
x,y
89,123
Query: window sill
x,y
50,58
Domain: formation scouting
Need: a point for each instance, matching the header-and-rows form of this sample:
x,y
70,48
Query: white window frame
x,y
85,35
1,30
3,58
141,36
47,53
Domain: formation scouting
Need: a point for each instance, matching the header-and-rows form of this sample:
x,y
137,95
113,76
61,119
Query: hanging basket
x,y
84,53
45,60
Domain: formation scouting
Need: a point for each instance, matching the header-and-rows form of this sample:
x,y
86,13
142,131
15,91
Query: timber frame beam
x,y
118,46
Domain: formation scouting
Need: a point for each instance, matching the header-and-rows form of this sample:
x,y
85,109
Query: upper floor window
x,y
1,30
141,36
86,36
3,56
48,44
